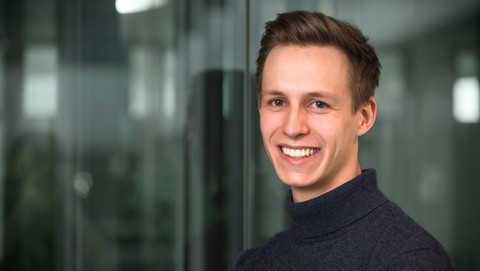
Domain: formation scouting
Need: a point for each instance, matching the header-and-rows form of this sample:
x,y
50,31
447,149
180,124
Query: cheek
x,y
332,130
266,130
347,131
268,123
263,123
325,126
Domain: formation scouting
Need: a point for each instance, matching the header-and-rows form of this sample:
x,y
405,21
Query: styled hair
x,y
305,28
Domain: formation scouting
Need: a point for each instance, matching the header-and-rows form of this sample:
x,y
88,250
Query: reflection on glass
x,y
466,100
40,90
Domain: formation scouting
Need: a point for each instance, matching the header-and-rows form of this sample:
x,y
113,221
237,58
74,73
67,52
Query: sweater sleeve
x,y
420,259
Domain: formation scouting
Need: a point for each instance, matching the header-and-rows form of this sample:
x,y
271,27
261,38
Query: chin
x,y
297,180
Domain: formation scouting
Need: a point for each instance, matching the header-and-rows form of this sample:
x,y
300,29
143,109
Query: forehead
x,y
306,69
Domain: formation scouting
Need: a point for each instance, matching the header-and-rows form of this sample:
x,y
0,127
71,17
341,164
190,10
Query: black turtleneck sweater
x,y
353,227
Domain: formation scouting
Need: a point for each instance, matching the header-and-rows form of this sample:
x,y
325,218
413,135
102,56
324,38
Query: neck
x,y
301,194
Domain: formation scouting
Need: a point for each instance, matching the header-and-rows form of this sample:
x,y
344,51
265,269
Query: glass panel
x,y
216,76
123,129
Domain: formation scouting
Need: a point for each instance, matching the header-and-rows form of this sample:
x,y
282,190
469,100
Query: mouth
x,y
298,152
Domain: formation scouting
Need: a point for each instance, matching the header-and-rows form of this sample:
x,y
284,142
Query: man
x,y
316,78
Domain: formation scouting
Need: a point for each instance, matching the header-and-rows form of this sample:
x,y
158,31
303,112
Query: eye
x,y
277,102
319,104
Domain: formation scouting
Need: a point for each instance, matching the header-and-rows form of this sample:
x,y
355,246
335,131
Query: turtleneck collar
x,y
336,209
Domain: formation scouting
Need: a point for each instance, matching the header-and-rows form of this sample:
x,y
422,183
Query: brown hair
x,y
315,28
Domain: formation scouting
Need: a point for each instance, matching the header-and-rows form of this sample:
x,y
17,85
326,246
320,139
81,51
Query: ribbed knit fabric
x,y
354,227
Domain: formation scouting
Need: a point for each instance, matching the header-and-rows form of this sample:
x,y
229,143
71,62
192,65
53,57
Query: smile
x,y
299,153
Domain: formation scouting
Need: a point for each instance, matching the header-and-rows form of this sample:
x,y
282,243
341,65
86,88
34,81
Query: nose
x,y
295,123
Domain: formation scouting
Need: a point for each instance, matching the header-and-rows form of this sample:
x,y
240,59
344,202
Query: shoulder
x,y
420,259
257,258
406,245
397,226
244,260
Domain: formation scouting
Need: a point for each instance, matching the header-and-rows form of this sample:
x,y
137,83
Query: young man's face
x,y
308,126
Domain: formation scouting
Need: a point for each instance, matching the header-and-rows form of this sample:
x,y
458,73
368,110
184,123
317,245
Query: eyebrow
x,y
311,94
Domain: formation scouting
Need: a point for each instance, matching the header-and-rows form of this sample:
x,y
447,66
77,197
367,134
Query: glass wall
x,y
130,132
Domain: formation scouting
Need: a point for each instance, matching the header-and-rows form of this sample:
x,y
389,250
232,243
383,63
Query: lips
x,y
299,152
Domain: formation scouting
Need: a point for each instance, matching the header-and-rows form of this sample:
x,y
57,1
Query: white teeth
x,y
298,153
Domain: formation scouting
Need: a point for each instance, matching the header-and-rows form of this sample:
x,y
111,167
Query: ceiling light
x,y
132,6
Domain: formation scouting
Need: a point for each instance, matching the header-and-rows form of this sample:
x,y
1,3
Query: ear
x,y
366,116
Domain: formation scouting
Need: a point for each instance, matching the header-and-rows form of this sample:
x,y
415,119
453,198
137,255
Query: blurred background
x,y
130,138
